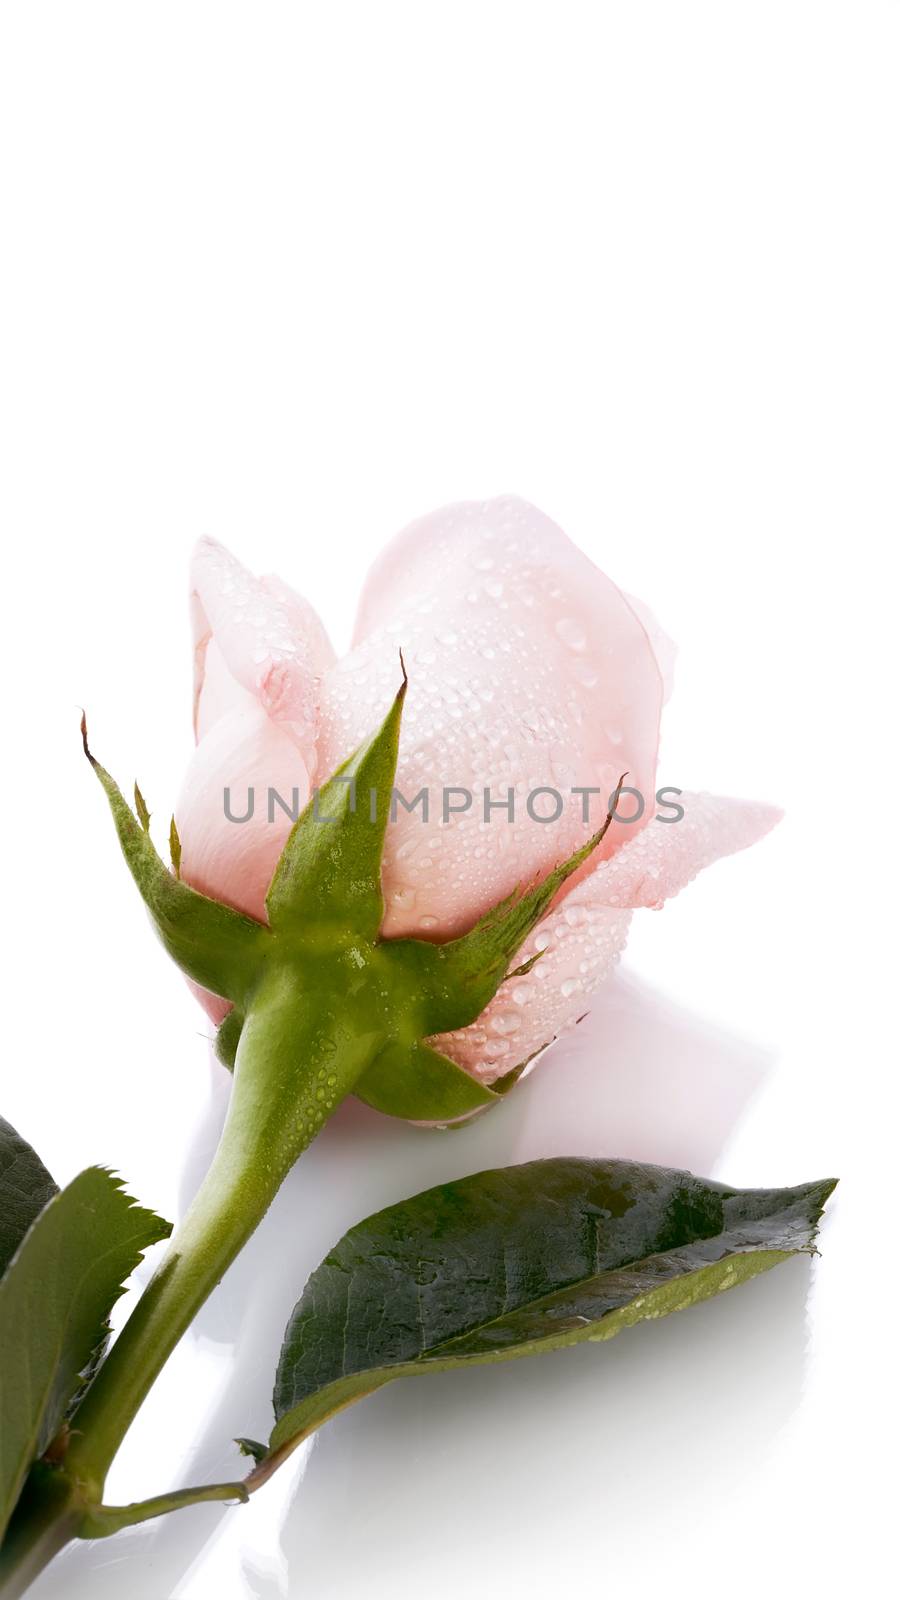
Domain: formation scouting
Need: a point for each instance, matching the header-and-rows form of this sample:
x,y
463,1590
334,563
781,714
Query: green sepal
x,y
412,1081
140,806
55,1300
228,1037
456,980
448,986
418,1083
175,848
329,871
514,1262
325,904
215,945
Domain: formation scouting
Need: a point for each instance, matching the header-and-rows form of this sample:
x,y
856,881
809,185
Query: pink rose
x,y
528,670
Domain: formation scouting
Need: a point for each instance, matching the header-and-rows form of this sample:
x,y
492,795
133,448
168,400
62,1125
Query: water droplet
x,y
428,922
570,987
506,1022
587,674
571,633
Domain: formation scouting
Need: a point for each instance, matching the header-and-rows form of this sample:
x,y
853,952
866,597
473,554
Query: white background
x,y
292,275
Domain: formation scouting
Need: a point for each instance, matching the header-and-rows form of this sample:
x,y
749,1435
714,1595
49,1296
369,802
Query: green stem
x,y
50,1514
290,1073
100,1521
43,1523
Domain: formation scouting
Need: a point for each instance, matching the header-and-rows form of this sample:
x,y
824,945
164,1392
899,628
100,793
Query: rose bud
x,y
534,685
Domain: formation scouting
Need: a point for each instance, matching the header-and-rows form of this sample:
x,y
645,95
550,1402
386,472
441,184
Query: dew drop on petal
x,y
571,633
506,1022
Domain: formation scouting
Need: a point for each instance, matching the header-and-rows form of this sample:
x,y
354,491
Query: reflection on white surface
x,y
378,1502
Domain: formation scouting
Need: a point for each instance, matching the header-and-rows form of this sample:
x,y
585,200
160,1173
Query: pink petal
x,y
664,648
255,640
215,1007
583,936
527,668
663,858
529,1012
228,860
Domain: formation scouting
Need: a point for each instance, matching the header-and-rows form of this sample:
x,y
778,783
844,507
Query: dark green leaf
x,y
512,1262
330,868
215,945
418,1083
54,1304
25,1188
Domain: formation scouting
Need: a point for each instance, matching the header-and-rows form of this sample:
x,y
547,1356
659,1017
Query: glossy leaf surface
x,y
516,1261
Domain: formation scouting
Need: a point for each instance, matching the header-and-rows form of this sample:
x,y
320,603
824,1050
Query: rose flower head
x,y
534,685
